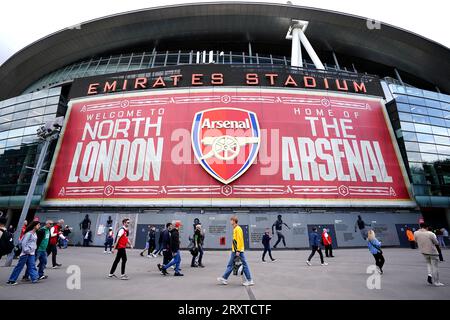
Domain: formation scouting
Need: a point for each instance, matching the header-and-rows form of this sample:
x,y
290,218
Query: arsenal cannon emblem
x,y
225,141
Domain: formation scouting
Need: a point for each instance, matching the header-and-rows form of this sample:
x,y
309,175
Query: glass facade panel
x,y
425,124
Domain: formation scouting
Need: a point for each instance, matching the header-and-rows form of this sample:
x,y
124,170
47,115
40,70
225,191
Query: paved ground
x,y
288,278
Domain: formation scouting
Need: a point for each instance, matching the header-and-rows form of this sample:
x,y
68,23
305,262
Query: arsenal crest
x,y
225,141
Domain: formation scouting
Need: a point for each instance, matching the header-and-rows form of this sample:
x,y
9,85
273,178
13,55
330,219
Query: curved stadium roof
x,y
256,22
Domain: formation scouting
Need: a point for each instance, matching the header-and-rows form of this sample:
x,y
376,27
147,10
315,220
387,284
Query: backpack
x,y
6,243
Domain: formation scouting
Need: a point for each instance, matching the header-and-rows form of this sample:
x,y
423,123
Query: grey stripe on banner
x,y
250,293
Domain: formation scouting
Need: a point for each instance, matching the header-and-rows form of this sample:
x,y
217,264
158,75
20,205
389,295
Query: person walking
x,y
6,239
87,238
198,246
266,243
27,256
85,225
109,240
427,241
66,232
445,235
327,242
361,225
410,237
55,234
166,248
237,250
314,242
375,248
160,240
278,224
120,245
440,237
151,242
175,248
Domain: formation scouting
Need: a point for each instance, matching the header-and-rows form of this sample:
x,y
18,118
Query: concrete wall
x,y
217,226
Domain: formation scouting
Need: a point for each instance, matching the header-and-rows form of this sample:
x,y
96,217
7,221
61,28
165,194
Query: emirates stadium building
x,y
209,110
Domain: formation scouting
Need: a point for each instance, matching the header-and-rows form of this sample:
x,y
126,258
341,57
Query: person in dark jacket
x,y
266,243
314,242
175,248
198,245
165,244
151,242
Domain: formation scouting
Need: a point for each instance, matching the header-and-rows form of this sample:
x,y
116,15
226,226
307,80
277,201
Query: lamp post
x,y
46,134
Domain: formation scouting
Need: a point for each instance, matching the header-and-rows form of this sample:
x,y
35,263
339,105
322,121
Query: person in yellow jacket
x,y
237,250
411,239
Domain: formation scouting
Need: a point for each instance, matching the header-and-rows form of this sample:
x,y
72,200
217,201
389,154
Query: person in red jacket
x,y
55,234
327,243
121,244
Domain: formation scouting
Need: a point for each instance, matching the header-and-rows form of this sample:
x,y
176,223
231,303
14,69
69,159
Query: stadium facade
x,y
208,110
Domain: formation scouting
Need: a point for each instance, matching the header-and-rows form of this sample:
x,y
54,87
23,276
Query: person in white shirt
x,y
427,241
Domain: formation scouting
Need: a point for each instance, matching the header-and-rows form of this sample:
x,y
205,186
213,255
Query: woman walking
x,y
375,248
27,258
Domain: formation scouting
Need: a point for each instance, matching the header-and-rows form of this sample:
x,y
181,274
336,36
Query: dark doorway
x,y
246,236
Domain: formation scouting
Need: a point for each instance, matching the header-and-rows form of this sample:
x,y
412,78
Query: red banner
x,y
227,147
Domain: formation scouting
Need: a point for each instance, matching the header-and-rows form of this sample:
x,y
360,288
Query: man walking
x,y
410,237
237,250
314,242
327,243
121,244
85,225
55,233
361,225
278,224
167,253
427,242
175,248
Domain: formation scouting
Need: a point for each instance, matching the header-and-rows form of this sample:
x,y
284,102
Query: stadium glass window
x,y
414,156
30,130
412,146
409,136
405,116
437,121
428,138
36,112
112,65
440,131
416,167
37,103
159,60
418,179
18,124
414,91
428,157
420,119
34,121
423,128
403,107
446,114
419,110
51,109
184,58
5,126
20,115
401,98
428,148
416,100
435,112
445,150
172,59
7,110
52,100
14,142
442,140
101,67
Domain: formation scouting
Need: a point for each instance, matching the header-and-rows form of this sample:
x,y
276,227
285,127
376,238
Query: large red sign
x,y
227,147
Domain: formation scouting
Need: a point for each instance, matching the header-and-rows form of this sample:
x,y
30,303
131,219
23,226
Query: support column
x,y
312,54
336,60
296,50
